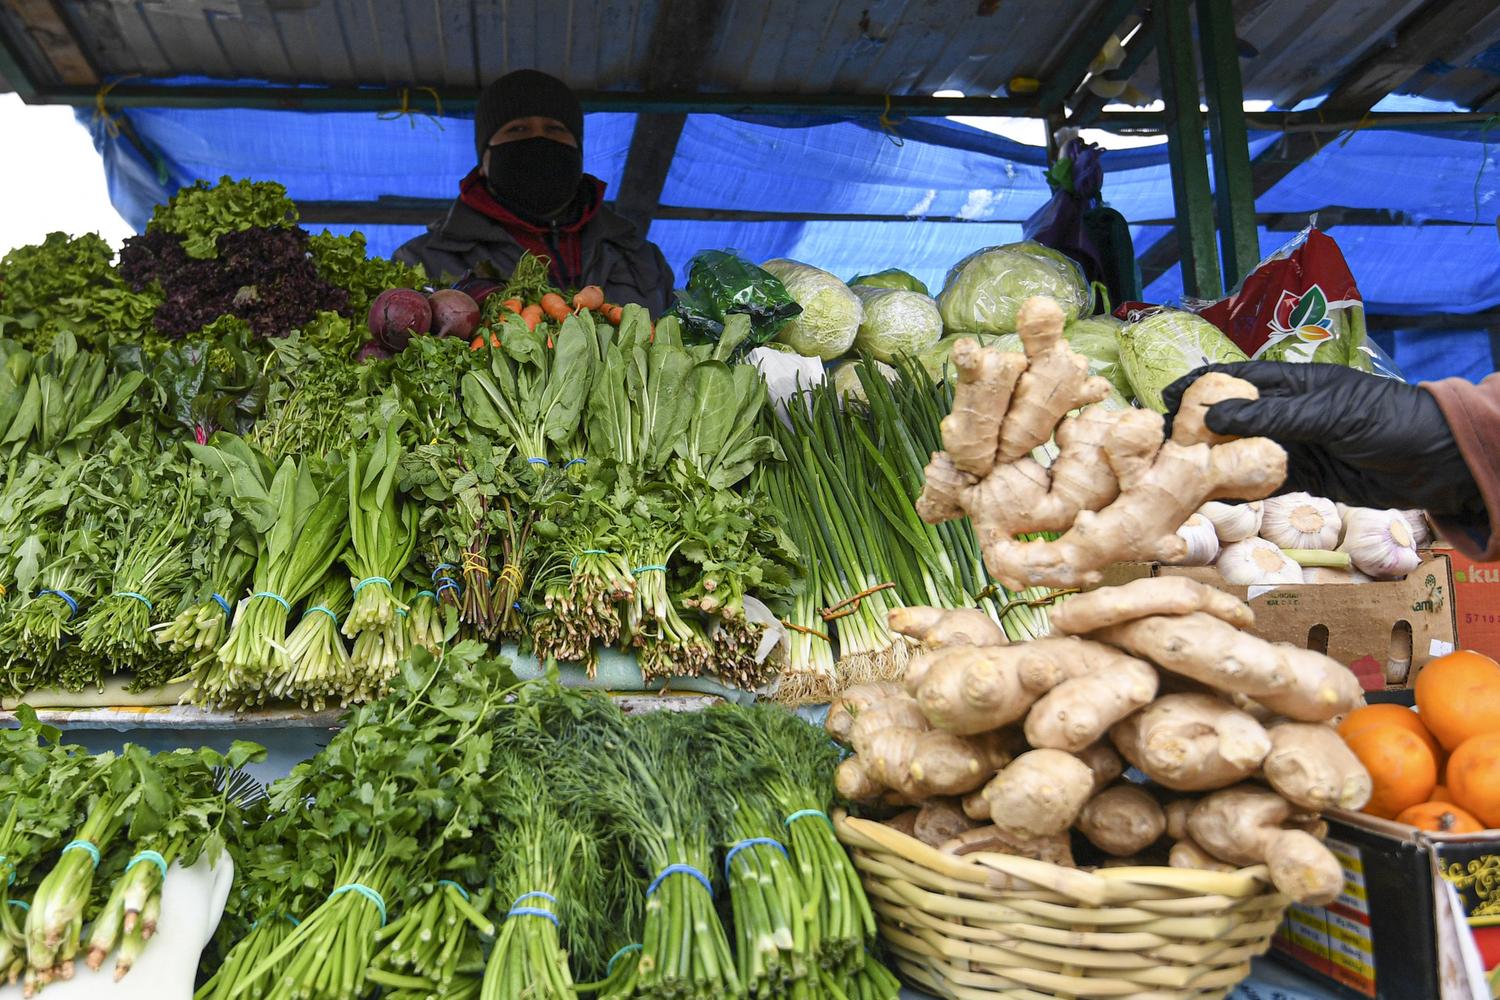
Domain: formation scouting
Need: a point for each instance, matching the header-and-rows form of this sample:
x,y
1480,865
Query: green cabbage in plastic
x,y
1096,338
1164,346
985,289
846,379
830,311
896,322
892,277
934,360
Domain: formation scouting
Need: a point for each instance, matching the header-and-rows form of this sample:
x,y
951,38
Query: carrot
x,y
555,306
477,343
494,340
589,297
613,313
514,305
533,314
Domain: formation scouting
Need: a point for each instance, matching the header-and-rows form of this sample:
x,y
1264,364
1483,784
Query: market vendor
x,y
529,192
1371,441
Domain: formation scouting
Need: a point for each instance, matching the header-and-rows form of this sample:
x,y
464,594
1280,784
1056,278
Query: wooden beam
x,y
43,21
1187,154
1239,247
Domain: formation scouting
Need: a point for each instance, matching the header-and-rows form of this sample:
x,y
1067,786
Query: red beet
x,y
372,351
454,314
477,288
396,314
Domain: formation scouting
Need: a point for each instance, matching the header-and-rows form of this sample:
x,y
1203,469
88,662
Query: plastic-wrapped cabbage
x,y
830,311
846,379
984,290
896,322
892,277
1165,345
934,360
1096,338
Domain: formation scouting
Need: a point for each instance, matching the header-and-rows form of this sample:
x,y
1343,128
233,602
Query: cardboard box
x,y
1476,599
1380,938
1384,631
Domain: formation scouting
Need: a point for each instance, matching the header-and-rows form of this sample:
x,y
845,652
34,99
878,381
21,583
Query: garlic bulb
x,y
1233,522
1328,574
1380,542
1421,528
1256,561
1300,521
1202,542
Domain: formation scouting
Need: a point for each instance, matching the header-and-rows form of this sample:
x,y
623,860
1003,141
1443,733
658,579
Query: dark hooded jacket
x,y
598,247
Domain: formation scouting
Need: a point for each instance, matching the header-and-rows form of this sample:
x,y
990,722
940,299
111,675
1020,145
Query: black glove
x,y
1360,439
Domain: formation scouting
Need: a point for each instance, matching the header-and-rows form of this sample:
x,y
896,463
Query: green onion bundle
x,y
433,949
321,669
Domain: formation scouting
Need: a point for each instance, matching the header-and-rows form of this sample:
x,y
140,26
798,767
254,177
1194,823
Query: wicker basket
x,y
993,925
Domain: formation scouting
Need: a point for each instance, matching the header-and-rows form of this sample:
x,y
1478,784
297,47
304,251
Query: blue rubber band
x,y
437,572
275,597
72,604
517,910
609,968
284,916
135,597
320,609
151,856
22,904
654,568
400,612
83,845
679,870
223,604
586,552
366,892
752,842
539,461
461,890
804,813
575,461
369,580
424,593
449,584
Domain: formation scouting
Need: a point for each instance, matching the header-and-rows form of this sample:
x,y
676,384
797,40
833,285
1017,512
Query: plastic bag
x,y
1076,180
1300,304
984,291
721,282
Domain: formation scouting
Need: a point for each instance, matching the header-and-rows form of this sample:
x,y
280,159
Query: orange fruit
x,y
1440,817
1388,714
1401,766
1474,777
1440,793
1458,696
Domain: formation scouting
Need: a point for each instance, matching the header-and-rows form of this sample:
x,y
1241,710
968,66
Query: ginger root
x,y
1187,854
1079,711
1245,825
1192,742
1312,767
841,713
1129,504
1039,794
938,627
896,749
1106,764
973,689
1298,683
1159,595
1122,820
939,821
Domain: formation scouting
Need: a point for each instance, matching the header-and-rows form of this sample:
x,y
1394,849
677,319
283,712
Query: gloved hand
x,y
1356,438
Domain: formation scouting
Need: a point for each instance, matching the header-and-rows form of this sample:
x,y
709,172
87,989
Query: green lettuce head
x,y
1165,345
934,360
1096,338
891,277
830,316
896,322
985,289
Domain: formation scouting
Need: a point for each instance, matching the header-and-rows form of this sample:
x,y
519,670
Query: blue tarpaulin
x,y
952,189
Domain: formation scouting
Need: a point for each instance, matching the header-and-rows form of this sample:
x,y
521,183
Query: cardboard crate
x,y
1381,938
1384,631
1476,599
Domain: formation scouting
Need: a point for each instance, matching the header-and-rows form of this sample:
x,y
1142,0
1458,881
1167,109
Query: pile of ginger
x,y
1020,749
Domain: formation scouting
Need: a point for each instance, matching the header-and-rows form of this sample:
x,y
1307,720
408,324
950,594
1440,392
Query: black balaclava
x,y
539,176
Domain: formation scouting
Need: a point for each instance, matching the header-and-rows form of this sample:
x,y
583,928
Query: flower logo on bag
x,y
1303,315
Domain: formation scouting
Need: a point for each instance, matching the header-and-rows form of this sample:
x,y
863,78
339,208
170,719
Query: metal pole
x,y
1186,152
1234,186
